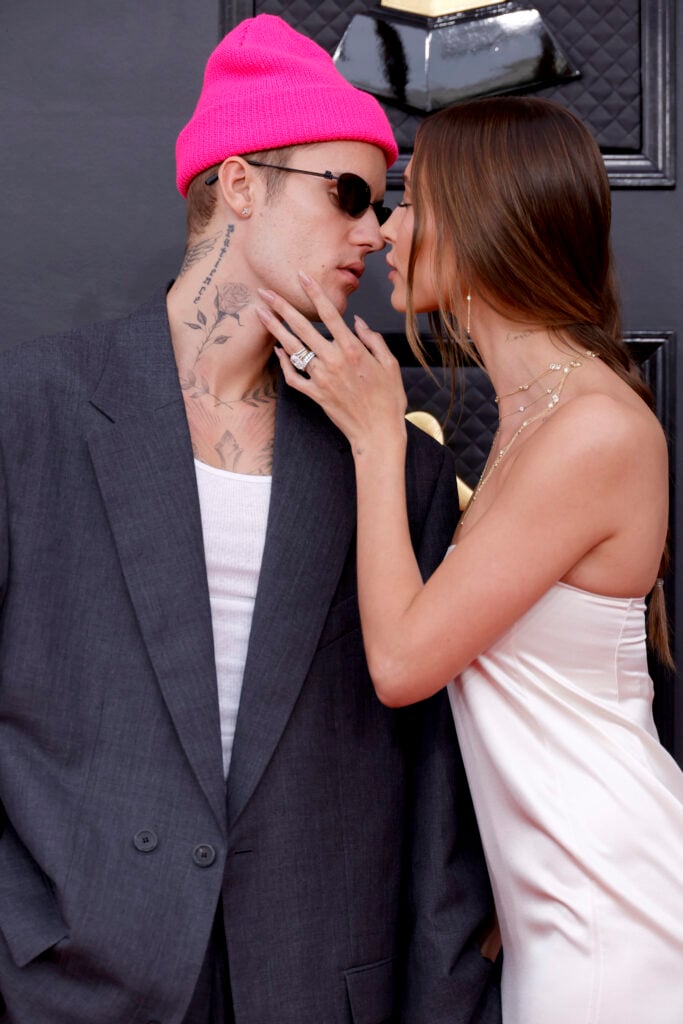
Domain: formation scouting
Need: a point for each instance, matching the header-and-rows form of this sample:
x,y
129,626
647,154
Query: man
x,y
170,623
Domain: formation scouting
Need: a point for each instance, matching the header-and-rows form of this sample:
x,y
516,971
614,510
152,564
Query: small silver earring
x,y
246,211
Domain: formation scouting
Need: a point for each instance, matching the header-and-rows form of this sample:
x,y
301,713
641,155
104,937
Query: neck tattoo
x,y
197,252
521,334
229,301
221,253
198,388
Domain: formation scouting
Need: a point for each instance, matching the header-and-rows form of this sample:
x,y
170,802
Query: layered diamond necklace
x,y
552,396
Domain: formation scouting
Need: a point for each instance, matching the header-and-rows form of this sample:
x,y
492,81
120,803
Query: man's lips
x,y
354,272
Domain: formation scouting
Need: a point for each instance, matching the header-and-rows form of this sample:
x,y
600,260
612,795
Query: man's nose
x,y
367,231
386,228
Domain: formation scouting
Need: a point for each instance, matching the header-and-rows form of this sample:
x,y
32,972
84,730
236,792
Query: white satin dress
x,y
581,814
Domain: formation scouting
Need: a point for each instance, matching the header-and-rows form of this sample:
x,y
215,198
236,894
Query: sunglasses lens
x,y
382,212
354,194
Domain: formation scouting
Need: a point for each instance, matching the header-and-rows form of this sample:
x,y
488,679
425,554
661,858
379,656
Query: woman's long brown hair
x,y
521,205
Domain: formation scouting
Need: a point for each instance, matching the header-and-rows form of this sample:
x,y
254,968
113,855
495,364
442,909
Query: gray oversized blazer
x,y
344,848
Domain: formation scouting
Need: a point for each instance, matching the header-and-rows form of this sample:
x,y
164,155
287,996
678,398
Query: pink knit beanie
x,y
267,86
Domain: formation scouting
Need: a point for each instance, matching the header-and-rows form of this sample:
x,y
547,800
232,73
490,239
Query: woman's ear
x,y
237,185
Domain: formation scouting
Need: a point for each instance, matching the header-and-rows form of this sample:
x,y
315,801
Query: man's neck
x,y
224,357
214,329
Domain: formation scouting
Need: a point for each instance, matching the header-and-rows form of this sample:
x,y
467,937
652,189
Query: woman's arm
x,y
560,499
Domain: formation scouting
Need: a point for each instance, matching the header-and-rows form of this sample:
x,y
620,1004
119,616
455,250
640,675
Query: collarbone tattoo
x,y
198,388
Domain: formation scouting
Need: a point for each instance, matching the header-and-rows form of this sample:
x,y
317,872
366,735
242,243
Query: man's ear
x,y
237,185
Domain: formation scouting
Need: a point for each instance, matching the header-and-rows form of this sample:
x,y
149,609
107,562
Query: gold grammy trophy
x,y
422,55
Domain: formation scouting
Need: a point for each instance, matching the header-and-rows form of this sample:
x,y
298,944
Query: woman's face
x,y
398,232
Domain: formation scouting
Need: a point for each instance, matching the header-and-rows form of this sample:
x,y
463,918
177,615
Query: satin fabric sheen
x,y
581,814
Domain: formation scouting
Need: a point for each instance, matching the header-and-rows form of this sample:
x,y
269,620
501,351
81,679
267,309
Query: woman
x,y
537,614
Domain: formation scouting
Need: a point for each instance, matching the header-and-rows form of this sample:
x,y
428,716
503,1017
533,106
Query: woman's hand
x,y
355,378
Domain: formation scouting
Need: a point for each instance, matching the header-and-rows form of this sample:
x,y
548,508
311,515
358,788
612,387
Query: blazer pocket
x,y
30,919
371,992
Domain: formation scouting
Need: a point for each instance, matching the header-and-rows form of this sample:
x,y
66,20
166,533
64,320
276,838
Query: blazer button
x,y
204,855
145,840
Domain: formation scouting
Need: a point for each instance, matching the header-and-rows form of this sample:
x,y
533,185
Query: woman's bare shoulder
x,y
602,426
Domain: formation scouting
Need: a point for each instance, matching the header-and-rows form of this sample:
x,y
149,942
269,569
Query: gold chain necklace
x,y
525,387
566,370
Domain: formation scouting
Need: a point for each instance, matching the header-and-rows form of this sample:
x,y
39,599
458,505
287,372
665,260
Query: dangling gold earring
x,y
469,315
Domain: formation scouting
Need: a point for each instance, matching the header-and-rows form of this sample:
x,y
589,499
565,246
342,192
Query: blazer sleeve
x,y
448,899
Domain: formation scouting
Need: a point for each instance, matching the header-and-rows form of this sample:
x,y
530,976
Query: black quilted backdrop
x,y
600,37
471,424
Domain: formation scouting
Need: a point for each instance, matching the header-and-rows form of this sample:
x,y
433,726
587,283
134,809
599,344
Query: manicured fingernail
x,y
264,314
305,279
360,321
265,294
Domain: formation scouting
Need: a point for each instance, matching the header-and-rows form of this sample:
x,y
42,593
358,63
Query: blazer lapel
x,y
310,526
142,456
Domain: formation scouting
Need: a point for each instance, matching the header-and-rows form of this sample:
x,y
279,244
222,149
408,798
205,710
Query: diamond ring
x,y
302,358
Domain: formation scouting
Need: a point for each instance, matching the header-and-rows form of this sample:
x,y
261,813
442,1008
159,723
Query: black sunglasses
x,y
353,192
